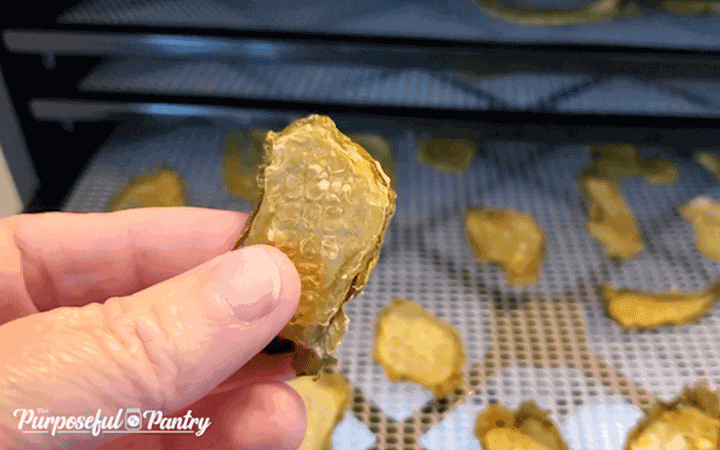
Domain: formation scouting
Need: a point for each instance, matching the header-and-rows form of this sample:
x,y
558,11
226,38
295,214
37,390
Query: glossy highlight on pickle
x,y
413,345
527,428
509,238
326,203
162,187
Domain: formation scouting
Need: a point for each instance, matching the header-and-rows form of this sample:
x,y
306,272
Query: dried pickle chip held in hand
x,y
326,203
380,149
445,154
240,159
413,345
638,309
509,238
163,187
692,422
704,214
528,428
326,398
610,219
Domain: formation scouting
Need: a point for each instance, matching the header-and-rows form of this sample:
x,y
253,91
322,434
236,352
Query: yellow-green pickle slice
x,y
691,422
704,214
446,154
380,149
620,161
638,309
240,158
413,345
326,203
326,397
521,15
610,219
162,187
527,428
710,161
509,238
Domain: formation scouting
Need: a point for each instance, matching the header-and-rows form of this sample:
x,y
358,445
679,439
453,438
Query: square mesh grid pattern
x,y
549,342
336,84
452,19
565,93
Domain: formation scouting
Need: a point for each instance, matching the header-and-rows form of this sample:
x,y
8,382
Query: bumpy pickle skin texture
x,y
610,219
413,345
528,428
163,187
326,203
379,148
638,309
509,238
240,159
704,214
445,154
326,398
692,422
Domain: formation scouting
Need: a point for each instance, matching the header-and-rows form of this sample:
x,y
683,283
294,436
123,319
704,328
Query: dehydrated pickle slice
x,y
686,8
646,309
610,219
704,214
619,161
240,159
380,149
509,238
692,422
522,15
326,203
326,398
528,428
413,345
163,187
710,161
445,154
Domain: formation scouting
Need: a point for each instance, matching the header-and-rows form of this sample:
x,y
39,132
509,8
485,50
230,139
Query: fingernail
x,y
250,282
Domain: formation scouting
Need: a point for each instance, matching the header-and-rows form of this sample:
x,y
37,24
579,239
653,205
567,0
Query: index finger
x,y
71,259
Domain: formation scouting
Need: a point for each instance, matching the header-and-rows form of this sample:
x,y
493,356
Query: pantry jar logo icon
x,y
133,419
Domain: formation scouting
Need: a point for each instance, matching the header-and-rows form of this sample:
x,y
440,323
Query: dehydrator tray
x,y
451,19
550,342
410,88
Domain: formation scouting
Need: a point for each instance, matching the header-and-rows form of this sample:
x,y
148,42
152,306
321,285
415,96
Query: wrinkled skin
x,y
326,203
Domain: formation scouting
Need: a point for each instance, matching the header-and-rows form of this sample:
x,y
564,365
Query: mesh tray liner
x,y
565,93
550,342
452,19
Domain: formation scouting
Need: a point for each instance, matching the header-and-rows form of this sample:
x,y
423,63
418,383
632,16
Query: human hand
x,y
146,309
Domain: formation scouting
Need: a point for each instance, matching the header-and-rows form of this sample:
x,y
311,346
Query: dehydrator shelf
x,y
450,20
409,88
549,342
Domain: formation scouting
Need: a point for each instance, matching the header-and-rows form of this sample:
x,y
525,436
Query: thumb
x,y
162,348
